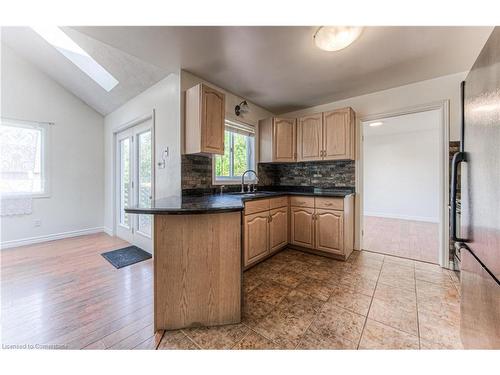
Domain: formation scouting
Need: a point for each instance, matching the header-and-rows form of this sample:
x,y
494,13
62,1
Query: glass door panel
x,y
144,168
125,179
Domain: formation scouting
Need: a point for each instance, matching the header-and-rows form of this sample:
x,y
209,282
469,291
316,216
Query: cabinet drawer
x,y
260,205
330,203
278,202
302,201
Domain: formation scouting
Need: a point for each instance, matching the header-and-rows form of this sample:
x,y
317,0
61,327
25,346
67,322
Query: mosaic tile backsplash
x,y
197,173
321,174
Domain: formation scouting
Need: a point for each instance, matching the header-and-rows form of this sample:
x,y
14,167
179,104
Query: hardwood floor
x,y
64,294
417,240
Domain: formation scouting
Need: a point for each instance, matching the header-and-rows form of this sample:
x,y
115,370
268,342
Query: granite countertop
x,y
230,202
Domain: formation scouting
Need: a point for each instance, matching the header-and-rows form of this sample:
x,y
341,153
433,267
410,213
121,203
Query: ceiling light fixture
x,y
73,52
335,38
378,123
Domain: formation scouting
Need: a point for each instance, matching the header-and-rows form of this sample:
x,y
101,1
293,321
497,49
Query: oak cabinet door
x,y
329,228
278,228
310,138
256,237
212,125
284,140
301,227
338,134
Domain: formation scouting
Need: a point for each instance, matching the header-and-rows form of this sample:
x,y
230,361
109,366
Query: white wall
x,y
391,100
164,98
75,156
401,172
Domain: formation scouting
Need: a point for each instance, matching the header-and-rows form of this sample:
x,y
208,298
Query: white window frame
x,y
45,128
231,126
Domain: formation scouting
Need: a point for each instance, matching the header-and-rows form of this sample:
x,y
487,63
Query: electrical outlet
x,y
37,223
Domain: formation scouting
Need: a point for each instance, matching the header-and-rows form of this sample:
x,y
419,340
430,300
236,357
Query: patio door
x,y
134,182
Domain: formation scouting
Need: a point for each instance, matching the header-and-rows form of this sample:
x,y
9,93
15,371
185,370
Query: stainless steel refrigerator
x,y
478,234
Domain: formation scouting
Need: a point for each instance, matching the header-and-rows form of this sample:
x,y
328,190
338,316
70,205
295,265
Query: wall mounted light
x,y
242,107
335,38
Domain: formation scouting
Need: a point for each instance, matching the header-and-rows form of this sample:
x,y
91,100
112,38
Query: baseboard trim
x,y
108,231
50,237
402,217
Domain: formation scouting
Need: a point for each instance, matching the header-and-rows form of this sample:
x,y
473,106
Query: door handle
x,y
458,158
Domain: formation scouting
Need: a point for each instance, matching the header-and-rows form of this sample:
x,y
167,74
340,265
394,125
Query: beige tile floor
x,y
418,240
296,300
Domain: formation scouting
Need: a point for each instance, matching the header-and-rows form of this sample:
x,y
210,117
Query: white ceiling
x,y
278,68
133,74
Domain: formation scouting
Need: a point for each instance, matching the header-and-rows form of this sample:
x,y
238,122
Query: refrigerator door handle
x,y
458,158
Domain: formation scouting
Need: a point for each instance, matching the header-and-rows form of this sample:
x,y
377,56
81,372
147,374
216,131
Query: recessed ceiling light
x,y
72,51
335,38
378,123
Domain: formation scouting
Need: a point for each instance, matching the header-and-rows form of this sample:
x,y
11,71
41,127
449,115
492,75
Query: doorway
x,y
403,202
134,183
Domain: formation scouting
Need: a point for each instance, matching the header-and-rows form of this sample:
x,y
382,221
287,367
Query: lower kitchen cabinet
x,y
266,231
302,226
321,224
329,231
278,228
256,237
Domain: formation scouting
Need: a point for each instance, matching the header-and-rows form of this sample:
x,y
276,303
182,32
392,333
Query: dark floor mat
x,y
125,257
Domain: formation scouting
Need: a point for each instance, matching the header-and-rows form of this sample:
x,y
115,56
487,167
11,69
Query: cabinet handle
x,y
270,218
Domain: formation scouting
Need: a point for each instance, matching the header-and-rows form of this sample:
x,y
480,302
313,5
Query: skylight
x,y
64,44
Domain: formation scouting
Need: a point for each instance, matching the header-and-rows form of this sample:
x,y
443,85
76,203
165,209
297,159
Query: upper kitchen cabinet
x,y
326,136
205,117
277,140
338,134
310,138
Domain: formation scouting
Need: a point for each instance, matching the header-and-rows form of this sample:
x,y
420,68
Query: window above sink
x,y
239,155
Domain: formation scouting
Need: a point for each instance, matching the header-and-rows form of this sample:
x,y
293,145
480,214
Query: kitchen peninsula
x,y
202,244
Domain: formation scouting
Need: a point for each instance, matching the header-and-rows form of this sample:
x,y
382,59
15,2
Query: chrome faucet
x,y
243,179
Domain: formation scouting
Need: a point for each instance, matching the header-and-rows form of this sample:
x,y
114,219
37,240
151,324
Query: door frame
x,y
444,141
125,126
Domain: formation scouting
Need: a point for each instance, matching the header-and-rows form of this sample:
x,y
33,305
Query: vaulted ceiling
x,y
278,68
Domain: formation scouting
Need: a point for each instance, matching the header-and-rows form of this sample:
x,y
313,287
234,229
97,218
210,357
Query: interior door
x,y
134,184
